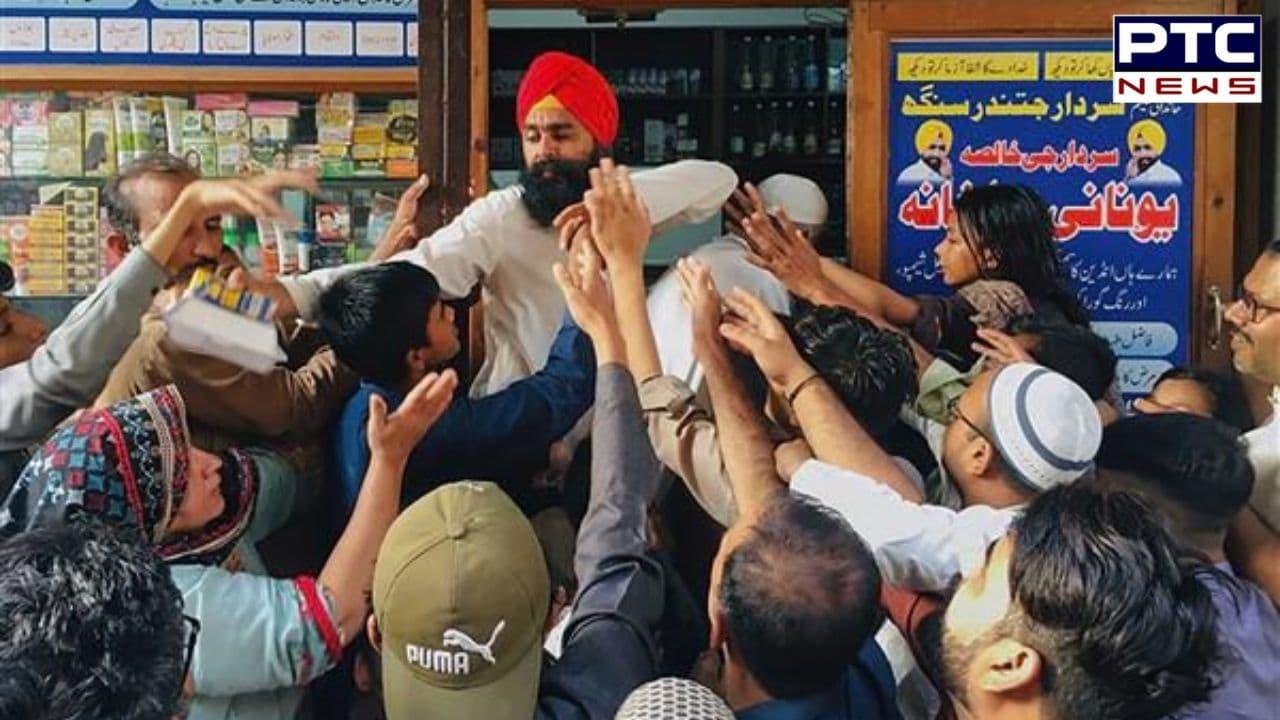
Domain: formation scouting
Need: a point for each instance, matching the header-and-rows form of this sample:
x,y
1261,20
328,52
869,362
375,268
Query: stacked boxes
x,y
29,136
335,126
99,158
40,261
66,141
80,209
402,139
369,144
271,127
6,147
199,146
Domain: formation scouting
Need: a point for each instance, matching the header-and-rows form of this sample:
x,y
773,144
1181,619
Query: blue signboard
x,y
255,33
1118,178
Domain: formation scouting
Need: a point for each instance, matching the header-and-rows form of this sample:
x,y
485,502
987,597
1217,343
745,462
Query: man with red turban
x,y
567,115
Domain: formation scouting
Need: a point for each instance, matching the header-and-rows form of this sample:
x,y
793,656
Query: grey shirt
x,y
609,644
69,369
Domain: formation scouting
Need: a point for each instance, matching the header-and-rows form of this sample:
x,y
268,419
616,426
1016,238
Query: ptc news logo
x,y
1186,58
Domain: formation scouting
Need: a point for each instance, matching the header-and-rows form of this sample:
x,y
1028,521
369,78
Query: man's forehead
x,y
155,191
550,118
1264,279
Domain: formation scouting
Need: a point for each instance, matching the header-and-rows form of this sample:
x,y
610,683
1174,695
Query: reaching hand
x,y
698,289
581,279
743,202
789,456
619,219
402,233
567,223
781,248
393,437
1000,349
254,196
753,329
242,279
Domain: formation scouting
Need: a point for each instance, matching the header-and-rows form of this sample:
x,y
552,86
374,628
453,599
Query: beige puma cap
x,y
461,592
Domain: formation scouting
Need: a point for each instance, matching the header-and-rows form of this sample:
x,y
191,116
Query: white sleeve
x,y
687,191
918,547
459,254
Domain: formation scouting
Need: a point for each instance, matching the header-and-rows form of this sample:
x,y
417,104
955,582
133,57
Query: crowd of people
x,y
763,486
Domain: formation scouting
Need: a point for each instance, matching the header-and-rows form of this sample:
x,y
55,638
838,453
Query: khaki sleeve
x,y
281,402
685,440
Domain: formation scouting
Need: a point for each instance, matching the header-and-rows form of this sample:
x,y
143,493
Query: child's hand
x,y
393,437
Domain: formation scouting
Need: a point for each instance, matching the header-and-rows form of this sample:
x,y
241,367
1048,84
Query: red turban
x,y
578,86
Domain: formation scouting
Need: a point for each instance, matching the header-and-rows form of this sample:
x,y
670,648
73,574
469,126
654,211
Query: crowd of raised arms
x,y
763,486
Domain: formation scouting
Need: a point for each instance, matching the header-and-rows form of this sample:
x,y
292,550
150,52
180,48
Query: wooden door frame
x,y
874,24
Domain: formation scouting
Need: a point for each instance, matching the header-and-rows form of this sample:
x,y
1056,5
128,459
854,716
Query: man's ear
x,y
1008,666
981,457
719,633
374,634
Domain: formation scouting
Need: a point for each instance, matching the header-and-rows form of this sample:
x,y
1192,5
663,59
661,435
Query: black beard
x,y
933,161
550,186
1145,163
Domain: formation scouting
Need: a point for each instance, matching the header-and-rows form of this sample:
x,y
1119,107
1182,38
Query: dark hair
x,y
1229,403
374,316
871,369
1115,607
801,596
1195,463
1075,351
1274,246
6,277
117,198
90,626
1013,224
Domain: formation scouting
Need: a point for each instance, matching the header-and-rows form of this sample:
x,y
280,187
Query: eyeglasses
x,y
191,628
1256,311
955,413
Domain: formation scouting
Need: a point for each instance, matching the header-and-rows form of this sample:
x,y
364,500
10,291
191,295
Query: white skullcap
x,y
673,699
800,197
1045,426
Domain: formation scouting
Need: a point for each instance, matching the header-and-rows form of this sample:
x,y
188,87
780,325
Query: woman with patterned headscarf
x,y
261,639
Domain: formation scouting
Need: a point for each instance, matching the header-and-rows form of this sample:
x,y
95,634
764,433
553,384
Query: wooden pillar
x,y
446,46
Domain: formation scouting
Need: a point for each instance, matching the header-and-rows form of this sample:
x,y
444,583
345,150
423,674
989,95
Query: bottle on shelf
x,y
812,75
686,141
775,129
835,128
760,139
791,79
789,141
663,84
737,139
680,82
746,78
768,64
837,64
695,81
810,143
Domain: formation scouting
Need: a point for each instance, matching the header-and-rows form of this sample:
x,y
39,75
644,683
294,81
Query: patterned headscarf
x,y
126,465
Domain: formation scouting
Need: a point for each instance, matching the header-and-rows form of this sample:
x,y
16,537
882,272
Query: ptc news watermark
x,y
1186,58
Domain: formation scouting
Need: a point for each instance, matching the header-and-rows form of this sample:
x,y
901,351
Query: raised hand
x,y
753,329
393,437
778,246
618,218
1000,348
402,233
742,203
698,289
254,196
581,280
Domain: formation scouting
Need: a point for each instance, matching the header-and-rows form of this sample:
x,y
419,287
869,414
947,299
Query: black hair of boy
x,y
1075,351
1192,468
871,369
1229,403
373,317
90,626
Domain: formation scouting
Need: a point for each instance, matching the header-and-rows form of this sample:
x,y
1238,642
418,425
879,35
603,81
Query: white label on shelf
x,y
175,37
380,39
412,40
73,34
277,37
21,34
123,35
226,37
334,39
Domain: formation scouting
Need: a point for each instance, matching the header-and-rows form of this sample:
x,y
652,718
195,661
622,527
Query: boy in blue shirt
x,y
388,323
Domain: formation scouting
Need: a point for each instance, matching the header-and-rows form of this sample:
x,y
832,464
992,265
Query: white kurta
x,y
726,257
496,243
